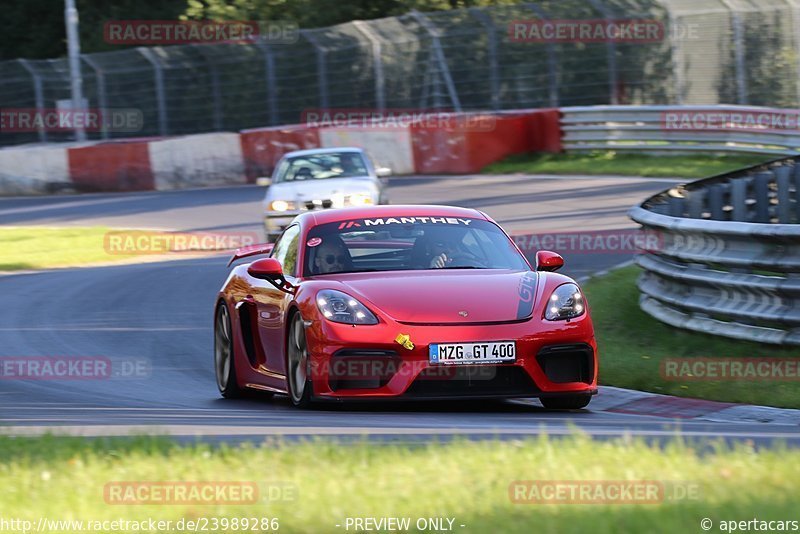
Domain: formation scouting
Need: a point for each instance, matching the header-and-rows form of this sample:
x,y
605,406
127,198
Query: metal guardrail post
x,y
38,92
271,82
678,59
322,74
436,43
377,62
783,176
738,43
611,55
100,76
761,183
161,98
216,95
552,60
491,50
794,7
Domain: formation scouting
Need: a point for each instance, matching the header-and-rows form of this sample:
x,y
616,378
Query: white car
x,y
318,179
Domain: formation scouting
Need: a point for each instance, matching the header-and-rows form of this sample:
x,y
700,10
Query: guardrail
x,y
747,129
727,259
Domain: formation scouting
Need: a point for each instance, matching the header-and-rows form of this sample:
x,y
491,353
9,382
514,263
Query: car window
x,y
409,243
322,166
285,250
280,172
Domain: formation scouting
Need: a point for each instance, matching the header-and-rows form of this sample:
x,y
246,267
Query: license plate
x,y
472,353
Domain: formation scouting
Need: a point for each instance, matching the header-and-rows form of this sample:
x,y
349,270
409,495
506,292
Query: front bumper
x,y
553,359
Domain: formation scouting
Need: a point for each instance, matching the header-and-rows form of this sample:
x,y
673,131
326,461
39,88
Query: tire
x,y
567,402
297,376
224,361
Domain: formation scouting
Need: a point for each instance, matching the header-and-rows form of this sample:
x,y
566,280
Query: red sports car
x,y
403,302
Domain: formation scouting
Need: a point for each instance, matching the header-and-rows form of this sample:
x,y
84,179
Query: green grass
x,y
632,345
620,163
64,478
38,247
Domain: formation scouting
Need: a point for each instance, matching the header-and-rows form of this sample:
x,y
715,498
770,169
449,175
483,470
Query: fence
x,y
709,52
728,261
682,129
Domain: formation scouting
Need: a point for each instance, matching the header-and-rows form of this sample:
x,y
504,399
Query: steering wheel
x,y
465,259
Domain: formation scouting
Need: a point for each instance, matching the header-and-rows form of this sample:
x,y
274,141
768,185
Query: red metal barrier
x,y
115,166
263,147
544,131
446,150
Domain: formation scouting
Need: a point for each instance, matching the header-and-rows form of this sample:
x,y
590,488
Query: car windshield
x,y
322,166
409,243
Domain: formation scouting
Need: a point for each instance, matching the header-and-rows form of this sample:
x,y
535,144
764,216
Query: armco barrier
x,y
458,143
113,166
263,147
388,147
30,170
729,260
746,129
457,150
202,160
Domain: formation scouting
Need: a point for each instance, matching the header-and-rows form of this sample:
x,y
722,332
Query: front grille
x,y
567,363
473,381
312,205
362,368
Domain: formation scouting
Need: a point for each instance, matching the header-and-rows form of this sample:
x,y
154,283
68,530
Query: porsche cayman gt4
x,y
402,302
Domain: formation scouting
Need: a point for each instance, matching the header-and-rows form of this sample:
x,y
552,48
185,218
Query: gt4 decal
x,y
527,284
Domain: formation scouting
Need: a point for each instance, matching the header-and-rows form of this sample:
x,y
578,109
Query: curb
x,y
626,401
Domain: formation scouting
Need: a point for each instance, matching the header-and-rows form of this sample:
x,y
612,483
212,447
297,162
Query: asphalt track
x,y
159,314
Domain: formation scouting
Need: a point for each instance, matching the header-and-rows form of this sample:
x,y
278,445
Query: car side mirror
x,y
264,181
270,269
548,261
383,172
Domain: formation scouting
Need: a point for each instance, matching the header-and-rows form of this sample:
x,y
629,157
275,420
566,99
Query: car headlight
x,y
340,200
359,199
342,308
566,302
281,205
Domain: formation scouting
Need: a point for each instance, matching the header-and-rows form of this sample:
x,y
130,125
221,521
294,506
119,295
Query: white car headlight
x,y
342,308
359,199
340,200
281,205
566,302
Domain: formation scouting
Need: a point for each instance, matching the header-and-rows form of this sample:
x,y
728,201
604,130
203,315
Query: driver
x,y
332,256
437,249
441,252
348,165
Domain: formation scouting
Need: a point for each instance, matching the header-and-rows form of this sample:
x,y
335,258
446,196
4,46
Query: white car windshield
x,y
322,166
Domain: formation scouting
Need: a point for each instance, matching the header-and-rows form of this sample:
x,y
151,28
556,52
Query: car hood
x,y
441,297
320,189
